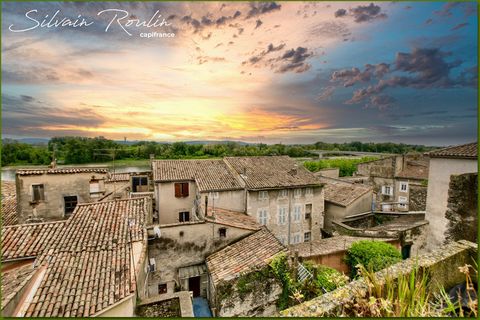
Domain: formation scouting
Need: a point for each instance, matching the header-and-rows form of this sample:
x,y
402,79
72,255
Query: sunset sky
x,y
271,72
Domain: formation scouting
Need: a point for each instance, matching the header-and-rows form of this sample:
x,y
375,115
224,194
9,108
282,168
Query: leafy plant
x,y
373,255
347,167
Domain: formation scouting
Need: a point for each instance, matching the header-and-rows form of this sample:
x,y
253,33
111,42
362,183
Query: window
x,y
387,190
181,190
262,216
307,236
308,191
184,216
297,193
403,202
70,204
308,211
283,193
296,238
297,212
162,288
403,186
262,195
282,215
213,195
140,184
38,193
222,232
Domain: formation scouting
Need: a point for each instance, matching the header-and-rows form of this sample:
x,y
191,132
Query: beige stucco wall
x,y
185,245
337,212
124,308
273,203
168,206
437,195
231,200
56,186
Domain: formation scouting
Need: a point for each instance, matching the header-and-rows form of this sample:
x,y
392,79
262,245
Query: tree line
x,y
81,150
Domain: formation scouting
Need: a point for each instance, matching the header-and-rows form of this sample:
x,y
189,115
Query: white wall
x,y
437,195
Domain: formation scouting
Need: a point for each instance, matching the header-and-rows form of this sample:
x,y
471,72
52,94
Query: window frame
x,y
261,217
297,193
41,194
282,213
309,236
164,288
262,195
222,233
297,214
283,194
403,183
69,202
181,216
308,191
214,195
308,215
181,189
402,202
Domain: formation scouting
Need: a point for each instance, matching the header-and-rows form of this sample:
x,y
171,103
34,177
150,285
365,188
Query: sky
x,y
269,72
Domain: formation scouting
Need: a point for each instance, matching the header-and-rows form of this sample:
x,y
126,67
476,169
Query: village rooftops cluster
x,y
83,264
465,151
271,172
210,175
235,173
342,192
254,251
24,172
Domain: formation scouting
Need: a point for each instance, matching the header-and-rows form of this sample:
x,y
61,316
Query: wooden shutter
x,y
185,189
178,190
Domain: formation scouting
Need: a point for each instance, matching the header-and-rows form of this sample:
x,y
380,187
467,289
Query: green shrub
x,y
347,167
373,255
329,279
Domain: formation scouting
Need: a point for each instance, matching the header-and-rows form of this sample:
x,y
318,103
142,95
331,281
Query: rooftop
x,y
88,261
210,175
253,251
341,192
9,203
14,280
271,172
26,172
117,177
328,245
414,170
8,188
465,151
232,218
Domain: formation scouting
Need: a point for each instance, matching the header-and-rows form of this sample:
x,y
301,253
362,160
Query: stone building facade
x,y
443,164
52,194
396,179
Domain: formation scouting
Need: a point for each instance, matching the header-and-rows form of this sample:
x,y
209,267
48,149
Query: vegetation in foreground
x,y
80,150
347,167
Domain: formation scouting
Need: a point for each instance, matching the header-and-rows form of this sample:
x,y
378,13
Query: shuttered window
x,y
181,190
38,192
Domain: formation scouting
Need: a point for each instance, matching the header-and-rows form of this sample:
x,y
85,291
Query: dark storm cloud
x,y
340,13
349,77
257,58
259,8
294,60
426,68
362,13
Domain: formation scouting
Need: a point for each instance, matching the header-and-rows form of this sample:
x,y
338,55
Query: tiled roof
x,y
271,172
328,245
414,170
233,219
8,188
341,192
89,267
14,280
210,175
253,251
465,151
9,211
117,177
24,172
30,240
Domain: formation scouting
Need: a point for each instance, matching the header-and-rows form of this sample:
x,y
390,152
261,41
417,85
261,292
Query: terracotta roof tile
x,y
414,170
8,188
232,218
341,192
465,151
210,175
24,172
254,251
13,280
271,172
117,177
9,211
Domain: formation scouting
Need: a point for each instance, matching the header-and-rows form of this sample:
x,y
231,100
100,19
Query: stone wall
x,y
417,200
253,294
441,265
462,208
